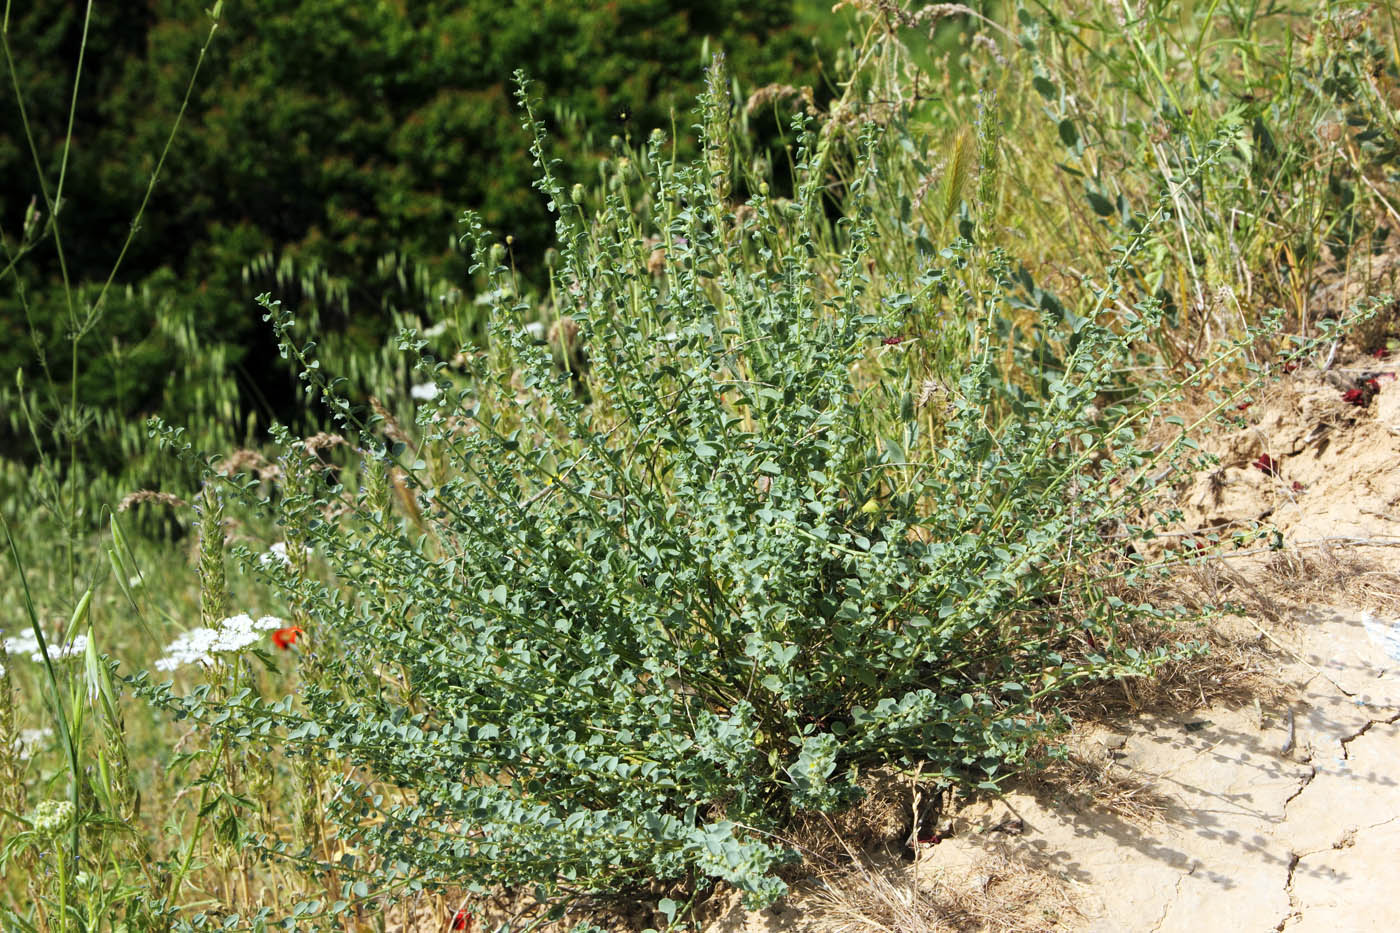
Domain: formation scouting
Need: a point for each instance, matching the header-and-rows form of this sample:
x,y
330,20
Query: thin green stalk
x,y
54,698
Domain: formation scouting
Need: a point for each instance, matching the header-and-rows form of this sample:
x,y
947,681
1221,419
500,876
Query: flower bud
x,y
52,817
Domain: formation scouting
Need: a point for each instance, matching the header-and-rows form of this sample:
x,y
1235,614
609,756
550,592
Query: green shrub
x,y
620,640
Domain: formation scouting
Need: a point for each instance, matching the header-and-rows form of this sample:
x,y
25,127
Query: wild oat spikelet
x,y
150,495
323,441
957,171
213,588
392,429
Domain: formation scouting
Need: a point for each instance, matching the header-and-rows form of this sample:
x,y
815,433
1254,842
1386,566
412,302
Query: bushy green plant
x,y
619,637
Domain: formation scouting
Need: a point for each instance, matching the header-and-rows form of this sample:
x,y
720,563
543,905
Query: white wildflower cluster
x,y
278,554
200,645
27,643
424,391
28,739
52,817
23,643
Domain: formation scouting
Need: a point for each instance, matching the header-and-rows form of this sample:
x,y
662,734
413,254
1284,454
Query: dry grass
x,y
999,895
880,822
1096,781
1300,580
1233,663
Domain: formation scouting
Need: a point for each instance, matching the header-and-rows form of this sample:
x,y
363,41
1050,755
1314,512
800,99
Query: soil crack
x,y
1346,742
1293,912
1176,896
1306,779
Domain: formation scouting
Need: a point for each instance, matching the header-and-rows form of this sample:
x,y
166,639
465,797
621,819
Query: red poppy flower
x,y
1379,353
1361,395
892,341
284,638
1266,464
1243,405
1289,367
461,920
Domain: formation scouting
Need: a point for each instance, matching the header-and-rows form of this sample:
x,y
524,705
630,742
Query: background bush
x,y
327,150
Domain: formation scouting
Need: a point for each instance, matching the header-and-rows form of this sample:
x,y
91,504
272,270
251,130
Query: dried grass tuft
x,y
1096,781
1001,895
317,443
880,821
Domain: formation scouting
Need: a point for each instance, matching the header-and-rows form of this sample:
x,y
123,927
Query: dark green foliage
x,y
327,134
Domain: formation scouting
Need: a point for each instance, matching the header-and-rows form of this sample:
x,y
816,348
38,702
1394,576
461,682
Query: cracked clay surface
x,y
1256,832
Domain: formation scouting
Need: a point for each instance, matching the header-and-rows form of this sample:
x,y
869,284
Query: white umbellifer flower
x,y
190,648
62,652
200,645
424,391
27,642
277,552
23,643
437,330
28,738
235,633
535,331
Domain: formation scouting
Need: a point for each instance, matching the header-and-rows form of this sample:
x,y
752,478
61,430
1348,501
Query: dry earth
x,y
1272,805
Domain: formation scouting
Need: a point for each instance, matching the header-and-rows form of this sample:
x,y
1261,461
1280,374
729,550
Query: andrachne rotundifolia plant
x,y
587,640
